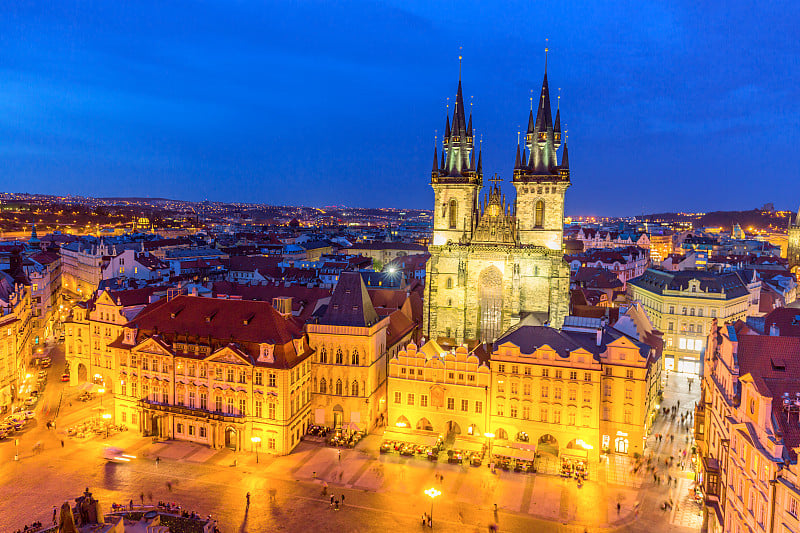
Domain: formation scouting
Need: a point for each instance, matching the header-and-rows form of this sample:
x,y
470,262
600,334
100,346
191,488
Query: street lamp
x,y
101,391
433,493
257,443
489,436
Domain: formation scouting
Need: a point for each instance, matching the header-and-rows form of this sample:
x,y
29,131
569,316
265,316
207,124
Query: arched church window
x,y
538,216
354,357
354,389
339,356
490,298
338,390
453,213
323,355
449,283
323,386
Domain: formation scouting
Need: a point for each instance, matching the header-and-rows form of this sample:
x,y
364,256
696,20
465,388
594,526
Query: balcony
x,y
699,422
145,403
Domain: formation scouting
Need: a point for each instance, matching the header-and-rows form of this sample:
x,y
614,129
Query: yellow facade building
x,y
440,390
683,305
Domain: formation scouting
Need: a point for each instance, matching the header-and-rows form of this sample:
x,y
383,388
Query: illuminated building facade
x,y
570,392
747,428
16,338
683,304
225,373
434,389
495,262
349,366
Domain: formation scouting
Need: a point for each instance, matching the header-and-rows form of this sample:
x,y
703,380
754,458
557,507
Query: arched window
x,y
354,357
354,389
453,213
323,355
449,283
323,386
338,390
339,356
538,216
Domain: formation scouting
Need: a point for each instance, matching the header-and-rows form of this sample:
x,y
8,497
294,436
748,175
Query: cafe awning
x,y
468,444
411,436
513,453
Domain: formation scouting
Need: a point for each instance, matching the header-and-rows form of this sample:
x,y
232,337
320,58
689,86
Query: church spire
x,y
435,160
517,163
565,157
479,170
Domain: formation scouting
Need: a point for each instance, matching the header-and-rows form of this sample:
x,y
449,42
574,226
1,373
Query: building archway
x,y
490,300
402,422
425,424
501,434
621,445
230,438
547,444
474,430
83,373
453,428
338,416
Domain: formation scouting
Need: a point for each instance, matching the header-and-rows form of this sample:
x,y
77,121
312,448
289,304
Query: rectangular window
x,y
272,380
527,371
242,407
133,390
398,397
218,373
229,375
203,374
191,431
514,411
258,408
545,372
514,369
526,389
179,427
423,400
557,393
478,407
259,378
203,401
558,374
573,375
629,374
451,403
465,405
526,412
410,399
545,391
218,404
628,416
501,368
791,506
514,388
587,376
556,416
271,443
271,411
587,396
500,409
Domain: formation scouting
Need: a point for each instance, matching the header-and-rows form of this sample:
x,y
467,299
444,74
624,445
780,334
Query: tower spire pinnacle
x,y
546,49
459,62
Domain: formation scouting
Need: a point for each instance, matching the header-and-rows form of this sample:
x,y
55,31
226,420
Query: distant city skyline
x,y
668,107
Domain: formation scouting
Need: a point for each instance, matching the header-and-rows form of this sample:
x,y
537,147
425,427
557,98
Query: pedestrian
x,y
131,502
335,505
618,507
314,474
169,486
342,500
158,460
339,452
332,498
424,519
141,497
62,443
248,500
54,514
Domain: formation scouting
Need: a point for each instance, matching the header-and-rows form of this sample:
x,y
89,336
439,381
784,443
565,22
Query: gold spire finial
x,y
518,132
448,103
546,49
459,62
531,99
558,100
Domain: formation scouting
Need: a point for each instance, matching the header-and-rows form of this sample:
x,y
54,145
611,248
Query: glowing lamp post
x,y
101,391
432,493
257,444
489,436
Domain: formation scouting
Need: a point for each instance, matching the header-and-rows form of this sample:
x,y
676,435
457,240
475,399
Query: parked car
x,y
28,414
65,376
30,402
42,374
46,363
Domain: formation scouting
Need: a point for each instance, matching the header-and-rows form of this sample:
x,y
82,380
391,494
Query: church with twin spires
x,y
495,261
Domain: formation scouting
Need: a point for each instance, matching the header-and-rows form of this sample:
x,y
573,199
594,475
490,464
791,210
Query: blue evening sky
x,y
680,105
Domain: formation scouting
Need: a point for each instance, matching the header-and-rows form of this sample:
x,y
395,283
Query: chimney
x,y
774,330
600,337
283,304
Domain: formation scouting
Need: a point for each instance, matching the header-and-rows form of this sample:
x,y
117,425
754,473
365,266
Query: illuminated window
x,y
398,397
478,407
451,403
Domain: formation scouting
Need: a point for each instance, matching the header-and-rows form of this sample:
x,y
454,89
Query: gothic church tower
x,y
496,262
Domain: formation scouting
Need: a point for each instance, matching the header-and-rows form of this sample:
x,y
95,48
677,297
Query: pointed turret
x,y
517,163
459,120
565,159
435,161
472,161
469,126
544,119
531,124
34,240
557,129
447,129
479,170
442,167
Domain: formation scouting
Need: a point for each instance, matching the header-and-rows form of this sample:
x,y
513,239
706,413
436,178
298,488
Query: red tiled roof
x,y
45,258
245,323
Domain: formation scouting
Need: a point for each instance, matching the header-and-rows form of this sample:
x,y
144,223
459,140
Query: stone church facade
x,y
495,262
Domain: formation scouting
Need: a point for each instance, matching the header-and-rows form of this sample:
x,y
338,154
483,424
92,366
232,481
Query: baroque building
x,y
494,262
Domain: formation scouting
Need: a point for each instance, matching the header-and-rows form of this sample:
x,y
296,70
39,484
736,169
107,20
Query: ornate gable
x,y
152,346
228,355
